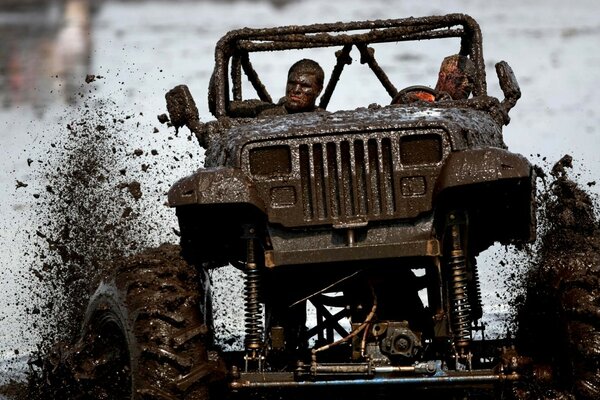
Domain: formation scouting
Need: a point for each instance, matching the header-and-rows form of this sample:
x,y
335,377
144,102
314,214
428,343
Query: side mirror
x,y
509,85
182,107
183,112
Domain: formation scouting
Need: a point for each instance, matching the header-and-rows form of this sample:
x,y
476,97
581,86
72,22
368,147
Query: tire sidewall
x,y
109,301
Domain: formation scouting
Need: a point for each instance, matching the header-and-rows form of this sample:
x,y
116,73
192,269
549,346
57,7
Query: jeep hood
x,y
467,128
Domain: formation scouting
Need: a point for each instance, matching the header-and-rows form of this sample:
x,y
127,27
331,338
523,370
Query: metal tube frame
x,y
340,34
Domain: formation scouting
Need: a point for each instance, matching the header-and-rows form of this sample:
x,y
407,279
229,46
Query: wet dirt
x,y
558,317
92,209
81,210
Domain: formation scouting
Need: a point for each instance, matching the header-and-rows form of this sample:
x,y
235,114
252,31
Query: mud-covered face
x,y
454,82
301,91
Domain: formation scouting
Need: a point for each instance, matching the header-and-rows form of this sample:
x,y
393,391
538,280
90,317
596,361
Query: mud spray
x,y
103,200
558,317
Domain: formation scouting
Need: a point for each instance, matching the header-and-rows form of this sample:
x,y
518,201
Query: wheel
x,y
580,306
144,334
559,328
571,249
559,321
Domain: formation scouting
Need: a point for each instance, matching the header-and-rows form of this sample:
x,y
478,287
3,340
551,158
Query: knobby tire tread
x,y
162,295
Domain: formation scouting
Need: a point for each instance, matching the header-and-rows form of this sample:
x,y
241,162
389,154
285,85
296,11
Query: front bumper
x,y
434,378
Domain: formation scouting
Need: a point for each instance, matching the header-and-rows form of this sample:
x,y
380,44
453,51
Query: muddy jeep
x,y
371,219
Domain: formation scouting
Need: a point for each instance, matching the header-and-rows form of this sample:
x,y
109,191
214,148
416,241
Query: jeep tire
x,y
145,332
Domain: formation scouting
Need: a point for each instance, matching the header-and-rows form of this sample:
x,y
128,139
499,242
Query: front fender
x,y
497,187
215,186
470,167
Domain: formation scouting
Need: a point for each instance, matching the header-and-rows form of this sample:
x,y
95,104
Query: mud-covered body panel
x,y
469,167
468,128
215,186
349,167
351,170
375,242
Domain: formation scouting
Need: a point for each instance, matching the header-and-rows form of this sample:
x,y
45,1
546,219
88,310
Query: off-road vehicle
x,y
374,216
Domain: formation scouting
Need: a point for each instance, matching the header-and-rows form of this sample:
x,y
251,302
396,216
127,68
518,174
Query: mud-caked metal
x,y
340,209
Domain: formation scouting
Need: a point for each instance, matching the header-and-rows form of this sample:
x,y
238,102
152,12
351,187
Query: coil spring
x,y
459,297
253,308
475,292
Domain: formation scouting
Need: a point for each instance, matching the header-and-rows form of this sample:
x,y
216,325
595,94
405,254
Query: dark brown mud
x,y
160,307
14,390
82,222
101,198
559,317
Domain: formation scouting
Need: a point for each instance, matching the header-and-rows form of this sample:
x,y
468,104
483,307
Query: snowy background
x,y
142,49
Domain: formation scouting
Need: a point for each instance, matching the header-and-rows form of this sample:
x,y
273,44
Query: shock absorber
x,y
459,290
253,341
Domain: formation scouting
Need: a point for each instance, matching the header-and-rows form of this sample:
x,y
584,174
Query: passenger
x,y
455,82
304,84
456,77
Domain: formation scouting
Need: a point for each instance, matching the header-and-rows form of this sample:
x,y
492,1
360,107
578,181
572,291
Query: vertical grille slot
x,y
318,169
347,184
306,182
374,176
388,175
334,179
361,177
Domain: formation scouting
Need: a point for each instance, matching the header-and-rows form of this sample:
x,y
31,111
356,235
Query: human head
x,y
304,84
456,77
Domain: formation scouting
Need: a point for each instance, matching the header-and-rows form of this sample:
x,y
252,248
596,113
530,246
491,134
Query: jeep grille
x,y
330,189
343,179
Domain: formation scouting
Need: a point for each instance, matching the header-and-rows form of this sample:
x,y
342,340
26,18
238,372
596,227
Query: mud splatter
x,y
134,188
14,390
95,206
559,318
78,226
91,78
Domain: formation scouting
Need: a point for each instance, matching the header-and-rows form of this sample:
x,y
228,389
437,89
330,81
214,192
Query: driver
x,y
304,84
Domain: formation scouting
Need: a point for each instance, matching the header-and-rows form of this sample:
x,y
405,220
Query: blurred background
x,y
137,50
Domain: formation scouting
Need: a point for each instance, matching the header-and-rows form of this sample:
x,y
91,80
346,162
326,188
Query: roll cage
x,y
233,49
